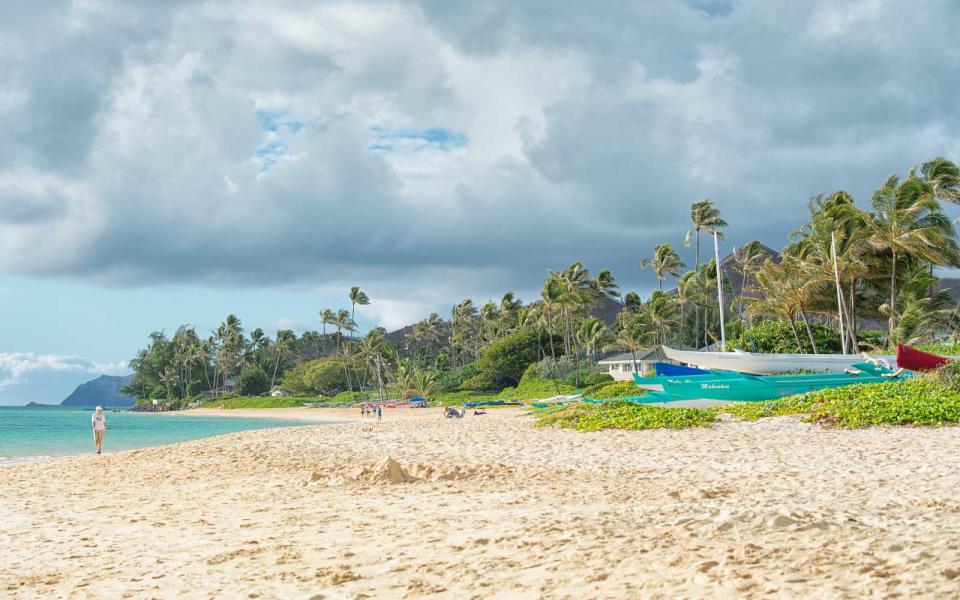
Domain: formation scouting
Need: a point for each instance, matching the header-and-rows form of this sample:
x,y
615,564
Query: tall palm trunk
x,y
276,367
893,301
796,334
806,324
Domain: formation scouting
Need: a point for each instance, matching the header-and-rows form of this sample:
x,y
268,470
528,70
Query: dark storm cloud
x,y
445,147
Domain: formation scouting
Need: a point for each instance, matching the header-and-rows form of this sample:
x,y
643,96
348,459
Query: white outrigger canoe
x,y
757,363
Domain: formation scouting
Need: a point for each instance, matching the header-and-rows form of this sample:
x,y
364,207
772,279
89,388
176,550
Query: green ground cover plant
x,y
624,415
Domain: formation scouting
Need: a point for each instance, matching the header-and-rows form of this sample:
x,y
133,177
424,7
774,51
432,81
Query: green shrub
x,y
624,415
942,349
777,337
619,389
535,389
947,376
595,378
452,380
158,393
252,382
532,372
503,362
321,376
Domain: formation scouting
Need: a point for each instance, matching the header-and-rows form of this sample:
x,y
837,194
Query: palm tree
x,y
665,262
357,297
943,179
462,318
705,217
594,334
403,377
426,383
327,317
372,351
662,310
282,347
509,305
635,332
748,257
907,222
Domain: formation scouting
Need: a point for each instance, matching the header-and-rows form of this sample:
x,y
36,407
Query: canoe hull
x,y
918,360
756,363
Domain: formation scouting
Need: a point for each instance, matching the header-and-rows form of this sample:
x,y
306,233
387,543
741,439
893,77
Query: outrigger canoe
x,y
918,360
756,388
758,363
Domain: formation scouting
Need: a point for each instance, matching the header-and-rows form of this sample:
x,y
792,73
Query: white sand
x,y
491,507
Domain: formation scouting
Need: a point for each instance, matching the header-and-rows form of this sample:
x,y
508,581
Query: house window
x,y
626,367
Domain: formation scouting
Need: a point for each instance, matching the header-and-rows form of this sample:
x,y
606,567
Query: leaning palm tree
x,y
907,223
665,262
357,297
705,217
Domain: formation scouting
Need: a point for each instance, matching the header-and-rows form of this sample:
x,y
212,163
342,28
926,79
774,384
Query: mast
x,y
836,278
723,331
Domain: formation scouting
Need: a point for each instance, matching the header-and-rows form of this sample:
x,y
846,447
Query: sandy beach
x,y
492,507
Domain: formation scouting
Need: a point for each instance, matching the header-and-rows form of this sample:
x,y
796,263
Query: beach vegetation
x,y
252,381
845,266
619,389
623,415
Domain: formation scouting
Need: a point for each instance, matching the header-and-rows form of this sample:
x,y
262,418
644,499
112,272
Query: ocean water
x,y
29,433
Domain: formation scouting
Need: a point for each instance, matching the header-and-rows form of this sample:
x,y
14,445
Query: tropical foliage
x,y
847,268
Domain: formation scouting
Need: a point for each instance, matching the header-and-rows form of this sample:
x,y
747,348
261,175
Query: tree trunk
x,y
796,335
806,325
697,262
893,302
276,367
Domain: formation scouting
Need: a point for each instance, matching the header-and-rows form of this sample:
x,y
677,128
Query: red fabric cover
x,y
918,360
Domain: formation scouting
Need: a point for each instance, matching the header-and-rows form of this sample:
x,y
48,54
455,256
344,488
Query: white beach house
x,y
621,368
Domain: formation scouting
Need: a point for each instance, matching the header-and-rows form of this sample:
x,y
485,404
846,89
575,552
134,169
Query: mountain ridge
x,y
102,391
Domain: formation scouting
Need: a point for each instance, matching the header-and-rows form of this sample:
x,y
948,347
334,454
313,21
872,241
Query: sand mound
x,y
390,471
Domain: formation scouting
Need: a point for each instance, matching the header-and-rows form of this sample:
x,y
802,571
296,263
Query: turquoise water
x,y
32,433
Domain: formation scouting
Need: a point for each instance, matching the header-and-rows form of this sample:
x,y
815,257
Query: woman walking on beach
x,y
99,424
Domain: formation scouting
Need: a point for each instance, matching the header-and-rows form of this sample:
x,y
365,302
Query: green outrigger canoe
x,y
741,387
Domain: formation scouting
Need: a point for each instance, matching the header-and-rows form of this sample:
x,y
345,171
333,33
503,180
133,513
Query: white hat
x,y
99,409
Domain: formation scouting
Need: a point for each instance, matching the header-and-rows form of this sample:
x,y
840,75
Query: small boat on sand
x,y
759,363
756,388
918,360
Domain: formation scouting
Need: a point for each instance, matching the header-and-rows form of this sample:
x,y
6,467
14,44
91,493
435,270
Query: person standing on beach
x,y
99,424
379,413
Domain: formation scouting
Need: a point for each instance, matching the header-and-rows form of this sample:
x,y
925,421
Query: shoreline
x,y
267,414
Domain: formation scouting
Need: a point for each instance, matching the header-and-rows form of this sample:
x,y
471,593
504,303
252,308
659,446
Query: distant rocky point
x,y
102,391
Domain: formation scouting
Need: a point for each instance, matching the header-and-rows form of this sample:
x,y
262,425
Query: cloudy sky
x,y
169,162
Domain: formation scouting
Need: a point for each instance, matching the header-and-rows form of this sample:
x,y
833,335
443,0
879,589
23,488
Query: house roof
x,y
643,354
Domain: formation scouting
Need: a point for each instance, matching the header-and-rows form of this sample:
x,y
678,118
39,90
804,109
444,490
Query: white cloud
x,y
16,366
229,142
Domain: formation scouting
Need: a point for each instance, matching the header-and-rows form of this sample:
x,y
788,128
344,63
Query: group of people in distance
x,y
368,409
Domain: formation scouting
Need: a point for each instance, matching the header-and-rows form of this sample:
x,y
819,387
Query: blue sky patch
x,y
270,153
274,120
414,140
